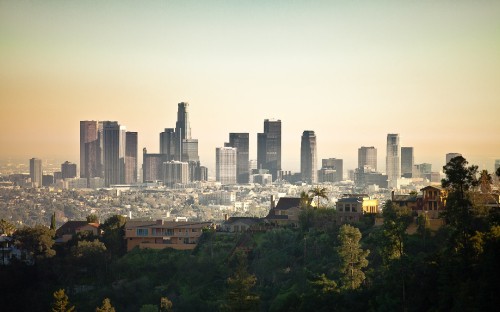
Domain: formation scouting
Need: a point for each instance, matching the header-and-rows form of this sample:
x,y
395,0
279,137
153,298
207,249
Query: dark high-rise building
x,y
367,156
308,159
91,149
190,150
269,147
114,153
131,157
167,143
240,141
68,170
152,166
393,164
182,128
36,172
47,180
407,161
332,170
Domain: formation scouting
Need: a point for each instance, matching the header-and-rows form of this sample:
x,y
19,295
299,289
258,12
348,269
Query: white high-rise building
x,y
393,162
225,165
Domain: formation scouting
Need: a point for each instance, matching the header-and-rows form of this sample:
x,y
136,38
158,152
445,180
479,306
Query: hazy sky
x,y
352,71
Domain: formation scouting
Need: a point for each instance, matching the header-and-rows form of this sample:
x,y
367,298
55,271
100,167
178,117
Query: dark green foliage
x,y
240,296
37,241
283,269
61,302
113,235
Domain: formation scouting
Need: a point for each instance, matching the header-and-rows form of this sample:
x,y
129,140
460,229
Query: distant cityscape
x,y
109,157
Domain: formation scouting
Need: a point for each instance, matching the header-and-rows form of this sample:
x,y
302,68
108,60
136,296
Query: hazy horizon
x,y
350,71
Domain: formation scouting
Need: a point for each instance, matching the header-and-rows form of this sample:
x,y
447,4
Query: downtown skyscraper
x,y
367,156
308,158
393,164
407,162
131,159
114,153
225,165
186,148
36,172
91,149
269,147
240,141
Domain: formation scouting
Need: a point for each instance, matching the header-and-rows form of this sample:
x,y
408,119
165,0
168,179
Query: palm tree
x,y
305,200
318,193
485,181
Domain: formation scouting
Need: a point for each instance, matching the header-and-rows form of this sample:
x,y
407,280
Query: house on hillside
x,y
70,228
161,234
351,208
286,212
239,224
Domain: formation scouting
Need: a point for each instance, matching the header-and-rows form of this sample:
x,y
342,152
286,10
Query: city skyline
x,y
351,72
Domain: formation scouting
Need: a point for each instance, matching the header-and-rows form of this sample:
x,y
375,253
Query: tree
x,y
113,233
92,218
240,297
485,181
106,306
318,193
166,305
37,241
61,302
498,172
459,177
7,228
305,200
53,221
352,257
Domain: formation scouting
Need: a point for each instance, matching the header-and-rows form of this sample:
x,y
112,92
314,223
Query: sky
x,y
352,71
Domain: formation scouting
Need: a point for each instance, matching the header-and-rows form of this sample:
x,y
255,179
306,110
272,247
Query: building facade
x,y
175,172
308,158
131,159
407,162
114,153
152,166
367,156
393,162
68,170
225,165
164,234
240,141
167,143
91,149
36,172
269,147
332,170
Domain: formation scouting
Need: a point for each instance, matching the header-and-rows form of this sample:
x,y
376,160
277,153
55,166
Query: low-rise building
x,y
286,211
351,208
164,234
70,228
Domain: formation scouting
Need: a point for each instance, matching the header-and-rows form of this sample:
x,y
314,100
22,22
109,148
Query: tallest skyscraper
x,y
186,149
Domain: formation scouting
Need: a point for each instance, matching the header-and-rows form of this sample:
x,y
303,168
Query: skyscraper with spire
x,y
308,157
